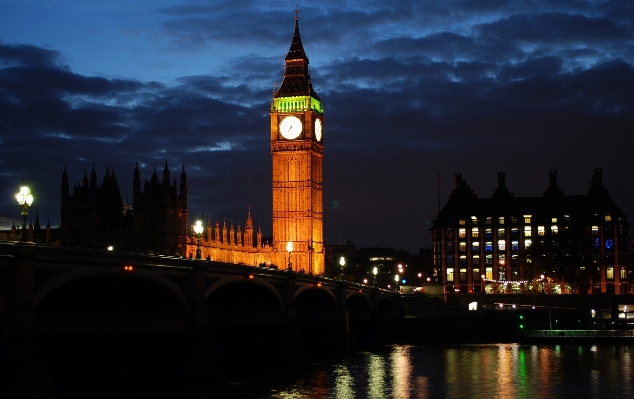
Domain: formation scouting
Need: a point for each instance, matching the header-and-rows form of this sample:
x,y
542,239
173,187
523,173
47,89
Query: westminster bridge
x,y
64,302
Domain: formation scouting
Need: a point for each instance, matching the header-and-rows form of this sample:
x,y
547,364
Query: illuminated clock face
x,y
318,131
291,127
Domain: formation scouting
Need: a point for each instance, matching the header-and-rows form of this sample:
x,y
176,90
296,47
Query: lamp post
x,y
375,271
342,262
198,229
289,248
396,278
25,200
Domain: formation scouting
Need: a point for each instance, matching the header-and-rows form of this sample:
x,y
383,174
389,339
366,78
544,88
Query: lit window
x,y
610,273
501,232
527,243
608,218
514,232
514,220
463,246
463,275
488,259
527,218
554,229
476,260
623,273
501,219
527,231
488,220
487,233
515,245
502,259
553,220
595,230
474,220
541,230
475,232
566,218
475,246
502,245
609,244
489,273
488,246
476,274
595,242
450,274
462,233
463,260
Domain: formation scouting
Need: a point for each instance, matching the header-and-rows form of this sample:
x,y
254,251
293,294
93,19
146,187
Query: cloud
x,y
411,90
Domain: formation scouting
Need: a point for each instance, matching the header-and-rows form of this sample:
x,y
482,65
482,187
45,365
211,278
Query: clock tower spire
x,y
297,151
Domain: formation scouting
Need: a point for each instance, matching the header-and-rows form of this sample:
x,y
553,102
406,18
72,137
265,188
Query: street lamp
x,y
25,200
396,278
289,248
375,271
342,262
198,229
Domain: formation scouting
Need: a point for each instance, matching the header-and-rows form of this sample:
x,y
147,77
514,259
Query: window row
x,y
527,219
488,245
488,274
475,259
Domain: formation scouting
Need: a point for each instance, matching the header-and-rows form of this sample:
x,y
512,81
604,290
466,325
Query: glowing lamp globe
x,y
198,227
24,196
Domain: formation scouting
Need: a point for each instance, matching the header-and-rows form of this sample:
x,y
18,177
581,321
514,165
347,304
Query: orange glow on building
x,y
297,151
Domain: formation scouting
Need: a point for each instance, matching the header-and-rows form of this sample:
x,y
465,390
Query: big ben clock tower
x,y
297,150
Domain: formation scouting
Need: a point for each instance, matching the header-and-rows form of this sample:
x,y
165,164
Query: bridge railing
x,y
579,334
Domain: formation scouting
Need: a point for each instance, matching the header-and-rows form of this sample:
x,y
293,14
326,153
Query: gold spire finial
x,y
296,14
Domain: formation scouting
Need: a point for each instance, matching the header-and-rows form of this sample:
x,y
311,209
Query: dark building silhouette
x,y
35,232
505,243
94,215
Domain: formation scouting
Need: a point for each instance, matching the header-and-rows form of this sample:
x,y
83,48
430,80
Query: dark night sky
x,y
410,89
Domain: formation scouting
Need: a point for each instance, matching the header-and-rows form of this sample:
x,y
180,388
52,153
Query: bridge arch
x,y
243,302
359,306
246,319
316,305
59,281
111,302
219,283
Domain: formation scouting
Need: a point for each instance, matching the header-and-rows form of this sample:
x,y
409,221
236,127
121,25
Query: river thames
x,y
456,371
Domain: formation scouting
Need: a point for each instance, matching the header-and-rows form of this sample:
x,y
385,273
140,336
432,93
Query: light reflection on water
x,y
504,371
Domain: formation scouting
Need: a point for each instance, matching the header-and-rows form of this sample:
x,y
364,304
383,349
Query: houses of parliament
x,y
94,215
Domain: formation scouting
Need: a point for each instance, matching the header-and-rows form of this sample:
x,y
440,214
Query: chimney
x,y
457,179
597,179
553,178
501,183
